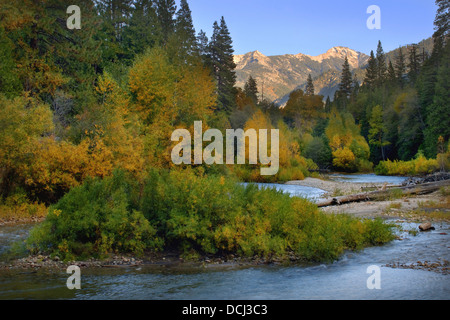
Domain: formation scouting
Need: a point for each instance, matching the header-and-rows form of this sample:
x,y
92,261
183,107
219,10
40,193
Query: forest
x,y
87,116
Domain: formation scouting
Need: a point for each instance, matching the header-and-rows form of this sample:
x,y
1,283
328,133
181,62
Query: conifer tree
x,y
251,89
381,64
144,30
371,71
438,115
327,106
202,42
391,75
221,61
115,15
441,20
413,65
309,90
185,32
345,87
400,67
165,10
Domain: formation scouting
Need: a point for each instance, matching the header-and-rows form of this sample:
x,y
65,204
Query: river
x,y
343,279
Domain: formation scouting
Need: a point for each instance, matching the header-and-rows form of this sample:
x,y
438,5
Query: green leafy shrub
x,y
94,219
195,214
418,166
217,215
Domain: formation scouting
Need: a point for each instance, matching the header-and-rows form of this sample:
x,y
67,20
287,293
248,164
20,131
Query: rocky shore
x,y
161,259
335,187
439,266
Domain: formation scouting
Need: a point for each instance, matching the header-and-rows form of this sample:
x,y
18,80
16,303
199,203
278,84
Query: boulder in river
x,y
426,226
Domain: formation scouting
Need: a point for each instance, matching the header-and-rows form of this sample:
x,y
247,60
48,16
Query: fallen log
x,y
385,194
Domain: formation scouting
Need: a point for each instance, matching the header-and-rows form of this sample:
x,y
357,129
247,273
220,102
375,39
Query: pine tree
x,y
414,64
371,71
185,32
327,106
391,75
441,20
115,15
309,90
165,10
400,67
202,43
438,113
381,64
221,61
251,89
345,87
9,81
144,30
355,87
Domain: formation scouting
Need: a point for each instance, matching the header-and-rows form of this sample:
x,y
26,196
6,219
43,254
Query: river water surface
x,y
343,279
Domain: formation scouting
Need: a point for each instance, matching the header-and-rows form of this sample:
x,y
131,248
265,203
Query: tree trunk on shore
x,y
385,194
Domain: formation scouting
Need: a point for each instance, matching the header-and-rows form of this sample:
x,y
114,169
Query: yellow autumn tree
x,y
23,121
167,97
350,150
292,166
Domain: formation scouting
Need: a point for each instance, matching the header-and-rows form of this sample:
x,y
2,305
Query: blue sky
x,y
313,27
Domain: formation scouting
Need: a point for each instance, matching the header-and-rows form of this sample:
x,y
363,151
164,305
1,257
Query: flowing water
x,y
344,279
294,190
366,178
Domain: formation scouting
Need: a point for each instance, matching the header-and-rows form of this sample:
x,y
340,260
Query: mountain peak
x,y
283,73
250,57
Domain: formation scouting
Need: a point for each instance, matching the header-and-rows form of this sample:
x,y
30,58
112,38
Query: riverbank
x,y
157,260
336,188
429,207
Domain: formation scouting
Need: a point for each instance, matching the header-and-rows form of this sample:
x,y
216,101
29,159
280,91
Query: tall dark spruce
x,y
221,60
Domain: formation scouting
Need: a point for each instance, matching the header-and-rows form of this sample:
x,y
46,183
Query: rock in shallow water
x,y
426,226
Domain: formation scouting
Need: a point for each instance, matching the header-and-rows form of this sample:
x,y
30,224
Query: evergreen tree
x,y
251,89
441,21
327,106
391,75
414,64
144,30
355,88
309,90
381,64
221,61
400,67
185,32
165,10
371,71
115,15
202,43
345,87
9,81
438,113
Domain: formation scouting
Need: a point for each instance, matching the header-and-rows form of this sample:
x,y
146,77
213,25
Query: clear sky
x,y
312,27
